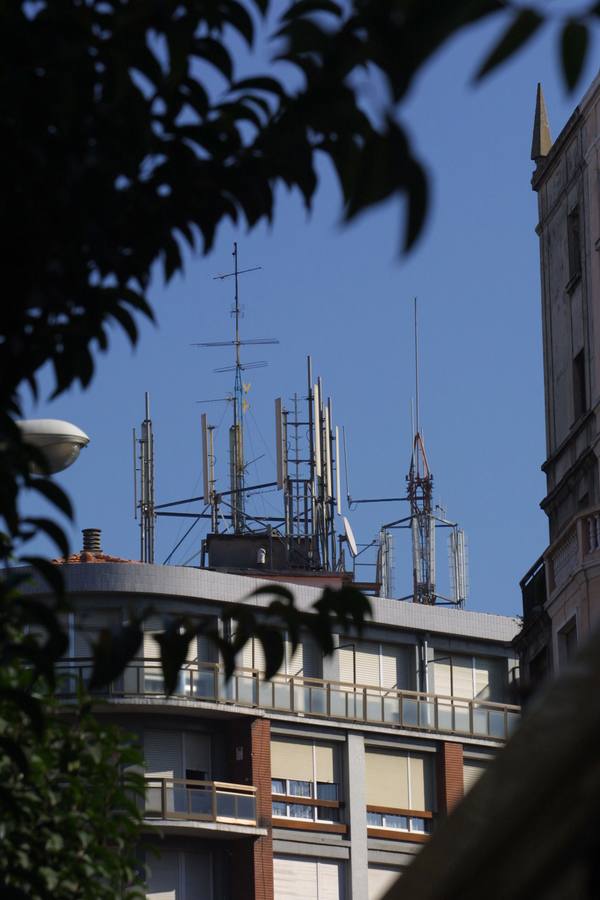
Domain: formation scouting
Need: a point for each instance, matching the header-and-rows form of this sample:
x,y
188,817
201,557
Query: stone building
x,y
321,784
562,590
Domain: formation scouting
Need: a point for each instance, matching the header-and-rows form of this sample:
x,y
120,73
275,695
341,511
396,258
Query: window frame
x,y
315,812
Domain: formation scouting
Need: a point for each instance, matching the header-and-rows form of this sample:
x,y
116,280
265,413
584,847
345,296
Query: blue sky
x,y
344,295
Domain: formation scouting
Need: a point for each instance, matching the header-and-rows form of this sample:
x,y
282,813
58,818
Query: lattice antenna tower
x,y
237,466
308,448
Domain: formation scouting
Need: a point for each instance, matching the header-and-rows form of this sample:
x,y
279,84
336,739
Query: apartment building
x,y
321,784
561,592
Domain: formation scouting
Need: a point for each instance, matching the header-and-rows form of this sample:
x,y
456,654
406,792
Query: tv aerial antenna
x,y
240,389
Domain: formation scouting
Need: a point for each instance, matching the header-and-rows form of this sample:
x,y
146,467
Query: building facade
x,y
562,590
321,784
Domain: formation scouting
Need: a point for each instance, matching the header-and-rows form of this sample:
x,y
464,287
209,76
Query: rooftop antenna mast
x,y
143,466
237,466
420,494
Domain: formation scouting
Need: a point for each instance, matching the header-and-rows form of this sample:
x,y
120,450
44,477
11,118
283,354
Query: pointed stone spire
x,y
542,141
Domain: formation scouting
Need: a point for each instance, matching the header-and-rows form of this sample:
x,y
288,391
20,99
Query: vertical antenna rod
x,y
417,422
146,502
236,432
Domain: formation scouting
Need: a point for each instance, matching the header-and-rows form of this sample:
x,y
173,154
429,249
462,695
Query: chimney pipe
x,y
91,540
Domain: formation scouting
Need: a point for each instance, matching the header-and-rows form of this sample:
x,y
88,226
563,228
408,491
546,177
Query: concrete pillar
x,y
356,812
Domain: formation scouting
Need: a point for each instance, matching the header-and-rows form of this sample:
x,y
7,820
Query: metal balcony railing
x,y
295,694
199,801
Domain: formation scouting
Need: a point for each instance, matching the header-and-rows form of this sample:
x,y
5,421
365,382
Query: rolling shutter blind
x,y
421,782
396,667
387,779
88,626
313,658
293,662
244,658
473,769
162,752
324,757
367,663
462,677
152,626
490,679
295,879
307,879
329,880
442,676
197,752
380,881
346,664
291,760
258,655
198,880
163,879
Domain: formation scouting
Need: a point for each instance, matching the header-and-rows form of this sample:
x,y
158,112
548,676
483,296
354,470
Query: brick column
x,y
261,778
450,776
250,750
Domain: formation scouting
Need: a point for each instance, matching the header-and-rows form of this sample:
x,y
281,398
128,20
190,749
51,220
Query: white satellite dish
x,y
59,442
349,535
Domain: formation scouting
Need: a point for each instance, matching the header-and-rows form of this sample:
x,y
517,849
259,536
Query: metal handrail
x,y
199,801
314,696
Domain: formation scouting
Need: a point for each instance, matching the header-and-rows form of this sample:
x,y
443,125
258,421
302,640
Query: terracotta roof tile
x,y
85,556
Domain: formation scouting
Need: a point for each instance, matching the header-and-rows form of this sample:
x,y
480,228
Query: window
x,y
539,666
574,243
389,666
469,677
473,769
579,391
399,789
567,642
305,771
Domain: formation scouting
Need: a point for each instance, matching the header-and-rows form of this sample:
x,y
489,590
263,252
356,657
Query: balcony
x,y
579,541
209,805
200,801
296,695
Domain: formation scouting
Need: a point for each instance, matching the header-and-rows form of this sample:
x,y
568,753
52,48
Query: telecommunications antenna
x,y
349,535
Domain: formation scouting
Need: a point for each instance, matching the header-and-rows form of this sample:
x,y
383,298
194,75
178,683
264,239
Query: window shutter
x,y
163,879
293,662
152,626
294,879
490,679
462,677
329,880
421,782
198,875
324,757
313,658
162,753
442,675
473,769
367,663
88,626
380,881
396,667
197,752
292,760
346,664
258,655
387,779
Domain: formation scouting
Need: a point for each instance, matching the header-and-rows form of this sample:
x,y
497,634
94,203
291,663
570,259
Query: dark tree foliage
x,y
70,794
118,150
